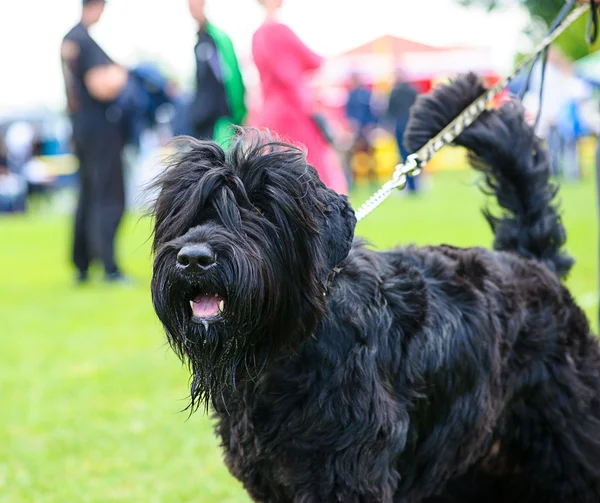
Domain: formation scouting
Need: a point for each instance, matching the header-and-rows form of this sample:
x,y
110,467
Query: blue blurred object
x,y
145,92
358,108
570,125
515,86
50,146
181,123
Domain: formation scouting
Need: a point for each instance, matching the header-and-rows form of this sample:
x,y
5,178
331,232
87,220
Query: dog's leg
x,y
552,432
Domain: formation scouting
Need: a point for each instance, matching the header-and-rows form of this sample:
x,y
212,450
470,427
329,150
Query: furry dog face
x,y
244,244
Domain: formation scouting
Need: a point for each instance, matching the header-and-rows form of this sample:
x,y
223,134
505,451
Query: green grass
x,y
91,396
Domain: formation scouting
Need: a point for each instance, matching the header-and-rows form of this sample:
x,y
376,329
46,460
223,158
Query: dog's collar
x,y
332,274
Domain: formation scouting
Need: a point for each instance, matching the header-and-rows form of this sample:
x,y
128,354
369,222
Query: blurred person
x,y
284,64
362,120
358,106
402,98
559,121
572,127
18,140
553,97
219,99
13,187
93,81
37,174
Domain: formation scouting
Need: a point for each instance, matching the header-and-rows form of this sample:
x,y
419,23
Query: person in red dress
x,y
285,64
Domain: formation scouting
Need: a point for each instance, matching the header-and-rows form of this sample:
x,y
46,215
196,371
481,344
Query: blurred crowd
x,y
117,113
25,143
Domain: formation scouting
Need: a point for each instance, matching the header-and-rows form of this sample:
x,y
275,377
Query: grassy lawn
x,y
91,395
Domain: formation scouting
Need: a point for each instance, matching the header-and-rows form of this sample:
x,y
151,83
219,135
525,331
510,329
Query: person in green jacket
x,y
219,100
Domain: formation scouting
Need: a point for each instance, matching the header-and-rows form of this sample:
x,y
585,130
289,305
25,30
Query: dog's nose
x,y
196,258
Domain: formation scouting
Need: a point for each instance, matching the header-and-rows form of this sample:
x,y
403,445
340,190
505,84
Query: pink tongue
x,y
205,306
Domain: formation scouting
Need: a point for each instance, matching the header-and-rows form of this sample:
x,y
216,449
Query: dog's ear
x,y
338,231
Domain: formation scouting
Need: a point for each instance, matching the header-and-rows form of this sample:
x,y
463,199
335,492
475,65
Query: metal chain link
x,y
414,163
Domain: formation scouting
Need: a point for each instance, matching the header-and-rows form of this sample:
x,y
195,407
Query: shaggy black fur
x,y
339,374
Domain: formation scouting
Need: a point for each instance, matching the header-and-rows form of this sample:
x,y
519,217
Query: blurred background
x,y
91,395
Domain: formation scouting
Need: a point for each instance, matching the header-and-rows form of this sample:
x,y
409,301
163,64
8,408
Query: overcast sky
x,y
31,31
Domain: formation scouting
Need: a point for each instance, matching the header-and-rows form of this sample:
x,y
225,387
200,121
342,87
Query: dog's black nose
x,y
196,258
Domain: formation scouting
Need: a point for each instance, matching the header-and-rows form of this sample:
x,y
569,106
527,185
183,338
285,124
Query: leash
x,y
414,163
559,19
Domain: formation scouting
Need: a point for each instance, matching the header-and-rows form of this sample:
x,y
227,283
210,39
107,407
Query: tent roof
x,y
397,45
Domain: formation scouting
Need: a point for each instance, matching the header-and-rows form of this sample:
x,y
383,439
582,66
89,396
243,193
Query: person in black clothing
x,y
92,82
402,98
210,99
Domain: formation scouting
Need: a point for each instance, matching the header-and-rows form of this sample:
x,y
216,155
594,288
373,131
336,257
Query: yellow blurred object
x,y
387,157
449,159
587,155
60,165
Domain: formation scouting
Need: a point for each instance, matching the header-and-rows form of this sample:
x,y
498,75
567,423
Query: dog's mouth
x,y
207,307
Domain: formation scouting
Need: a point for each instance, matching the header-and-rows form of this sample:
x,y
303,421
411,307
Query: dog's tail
x,y
515,165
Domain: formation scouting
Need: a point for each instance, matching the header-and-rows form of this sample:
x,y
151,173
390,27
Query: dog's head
x,y
244,242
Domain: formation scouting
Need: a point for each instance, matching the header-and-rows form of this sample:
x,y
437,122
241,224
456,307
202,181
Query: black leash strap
x,y
544,59
592,28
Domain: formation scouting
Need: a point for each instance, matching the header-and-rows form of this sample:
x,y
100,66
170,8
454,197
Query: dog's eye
x,y
257,211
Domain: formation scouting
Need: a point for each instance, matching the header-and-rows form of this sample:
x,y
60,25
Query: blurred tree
x,y
572,42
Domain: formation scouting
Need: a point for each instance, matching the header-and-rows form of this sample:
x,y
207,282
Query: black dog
x,y
340,374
